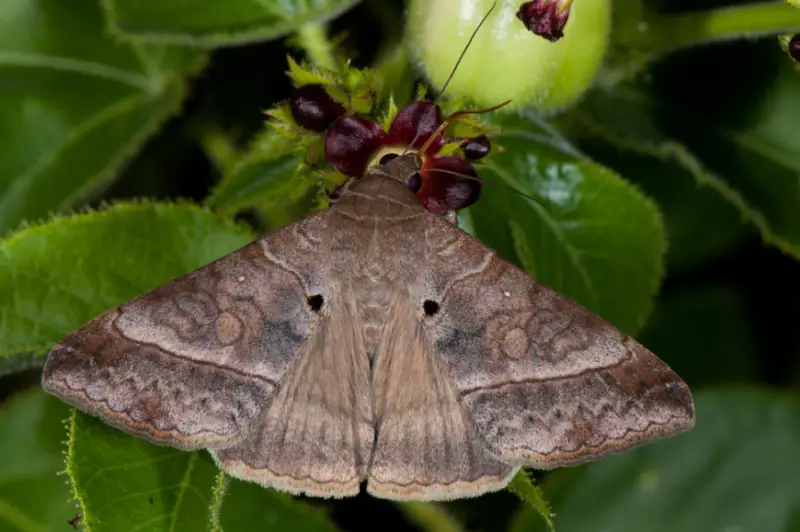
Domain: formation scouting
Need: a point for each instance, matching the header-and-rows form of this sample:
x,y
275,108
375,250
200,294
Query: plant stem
x,y
429,516
219,147
523,487
657,34
313,39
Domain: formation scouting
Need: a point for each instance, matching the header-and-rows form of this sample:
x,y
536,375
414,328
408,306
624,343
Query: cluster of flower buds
x,y
447,182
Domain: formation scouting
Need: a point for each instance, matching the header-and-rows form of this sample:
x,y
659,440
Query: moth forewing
x,y
372,341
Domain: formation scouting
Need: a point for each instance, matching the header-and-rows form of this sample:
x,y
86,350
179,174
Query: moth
x,y
372,341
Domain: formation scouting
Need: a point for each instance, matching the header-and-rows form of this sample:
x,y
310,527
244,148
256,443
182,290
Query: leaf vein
x,y
87,68
182,490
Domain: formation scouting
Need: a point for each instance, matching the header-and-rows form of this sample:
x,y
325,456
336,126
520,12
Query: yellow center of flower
x,y
375,160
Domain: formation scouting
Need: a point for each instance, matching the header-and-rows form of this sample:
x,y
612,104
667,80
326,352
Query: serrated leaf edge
x,y
132,147
216,39
106,174
219,491
530,494
608,175
68,469
672,150
104,209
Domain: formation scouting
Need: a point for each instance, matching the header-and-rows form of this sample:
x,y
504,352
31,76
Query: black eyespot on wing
x,y
430,307
315,302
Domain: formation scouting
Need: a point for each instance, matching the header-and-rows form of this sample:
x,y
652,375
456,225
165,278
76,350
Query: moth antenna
x,y
455,67
463,52
461,112
450,119
483,181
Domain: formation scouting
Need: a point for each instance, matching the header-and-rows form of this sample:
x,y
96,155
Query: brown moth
x,y
373,341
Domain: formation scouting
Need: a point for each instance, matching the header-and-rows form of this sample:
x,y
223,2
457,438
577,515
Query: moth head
x,y
404,168
442,184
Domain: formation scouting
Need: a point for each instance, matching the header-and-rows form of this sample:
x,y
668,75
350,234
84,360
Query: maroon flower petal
x,y
794,47
456,187
416,122
350,142
313,108
545,18
476,147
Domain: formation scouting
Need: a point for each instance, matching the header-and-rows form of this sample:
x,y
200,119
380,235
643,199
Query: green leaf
x,y
705,334
396,73
523,487
266,175
125,483
249,507
736,470
584,231
59,275
749,161
34,497
214,23
76,104
702,226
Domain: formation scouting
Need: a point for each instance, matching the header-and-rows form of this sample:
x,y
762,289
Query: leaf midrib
x,y
23,180
79,66
182,488
746,140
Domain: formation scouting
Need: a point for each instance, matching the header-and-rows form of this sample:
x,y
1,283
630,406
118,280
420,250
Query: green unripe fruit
x,y
506,61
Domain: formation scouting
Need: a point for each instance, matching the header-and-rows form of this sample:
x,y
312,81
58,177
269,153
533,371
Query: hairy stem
x,y
313,39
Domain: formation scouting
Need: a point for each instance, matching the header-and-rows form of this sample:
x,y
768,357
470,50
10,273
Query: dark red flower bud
x,y
794,47
350,142
313,108
447,183
476,147
545,18
416,122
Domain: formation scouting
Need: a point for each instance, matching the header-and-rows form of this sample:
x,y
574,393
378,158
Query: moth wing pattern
x,y
193,362
547,382
427,447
